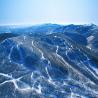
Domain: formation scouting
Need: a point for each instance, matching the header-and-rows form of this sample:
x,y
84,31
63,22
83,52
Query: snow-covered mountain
x,y
49,61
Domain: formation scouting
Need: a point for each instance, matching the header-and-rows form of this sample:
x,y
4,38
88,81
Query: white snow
x,y
90,38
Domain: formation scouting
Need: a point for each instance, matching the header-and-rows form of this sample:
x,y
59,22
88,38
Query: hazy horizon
x,y
32,12
44,24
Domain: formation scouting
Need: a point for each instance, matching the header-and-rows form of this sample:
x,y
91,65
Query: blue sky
x,y
48,11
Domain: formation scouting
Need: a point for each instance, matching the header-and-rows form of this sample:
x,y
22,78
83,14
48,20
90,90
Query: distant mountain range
x,y
89,33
